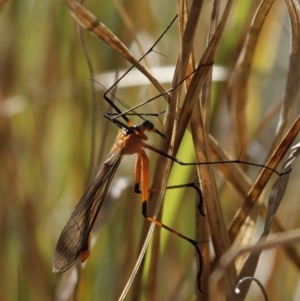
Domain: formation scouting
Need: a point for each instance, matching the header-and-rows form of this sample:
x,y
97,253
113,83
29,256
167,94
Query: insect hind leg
x,y
144,171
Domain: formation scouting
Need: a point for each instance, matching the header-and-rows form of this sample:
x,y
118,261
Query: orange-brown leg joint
x,y
145,180
137,174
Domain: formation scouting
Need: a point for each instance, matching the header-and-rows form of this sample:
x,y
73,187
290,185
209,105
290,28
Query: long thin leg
x,y
156,150
137,174
145,179
108,91
191,185
131,110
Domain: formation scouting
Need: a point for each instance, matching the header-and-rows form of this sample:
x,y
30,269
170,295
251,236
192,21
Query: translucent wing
x,y
74,238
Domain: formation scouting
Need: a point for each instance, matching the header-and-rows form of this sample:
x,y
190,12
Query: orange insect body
x,y
75,239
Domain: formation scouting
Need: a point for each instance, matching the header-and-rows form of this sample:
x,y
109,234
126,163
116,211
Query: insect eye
x,y
148,124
